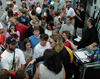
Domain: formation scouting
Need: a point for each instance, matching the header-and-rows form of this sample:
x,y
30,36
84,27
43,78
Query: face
x,y
43,41
52,42
68,21
49,27
43,22
11,47
36,24
64,35
28,45
88,21
12,28
36,32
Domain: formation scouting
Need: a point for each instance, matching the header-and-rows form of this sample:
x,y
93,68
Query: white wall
x,y
92,7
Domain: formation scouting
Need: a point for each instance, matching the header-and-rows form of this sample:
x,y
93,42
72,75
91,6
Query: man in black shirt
x,y
90,36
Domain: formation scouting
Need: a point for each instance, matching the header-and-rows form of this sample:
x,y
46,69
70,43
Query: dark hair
x,y
33,12
43,18
14,35
24,44
14,27
10,13
11,5
57,13
91,20
4,74
14,2
69,17
7,8
52,7
47,10
20,74
52,61
35,28
23,11
44,36
51,25
18,19
25,5
67,34
81,5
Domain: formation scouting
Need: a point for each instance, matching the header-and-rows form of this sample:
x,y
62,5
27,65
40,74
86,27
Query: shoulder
x,y
18,51
37,47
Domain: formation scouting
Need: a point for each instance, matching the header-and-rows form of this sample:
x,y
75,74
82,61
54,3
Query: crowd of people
x,y
42,34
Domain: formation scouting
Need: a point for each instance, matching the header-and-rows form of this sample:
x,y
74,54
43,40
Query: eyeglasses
x,y
43,39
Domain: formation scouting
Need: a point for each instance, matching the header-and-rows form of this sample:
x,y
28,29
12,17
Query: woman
x,y
12,30
52,67
57,44
49,29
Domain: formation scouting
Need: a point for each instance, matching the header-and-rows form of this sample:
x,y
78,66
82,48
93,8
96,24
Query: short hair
x,y
43,18
57,13
4,74
52,7
33,12
23,11
67,34
14,35
81,5
14,2
91,20
7,8
44,36
20,74
52,61
18,19
35,28
69,17
35,20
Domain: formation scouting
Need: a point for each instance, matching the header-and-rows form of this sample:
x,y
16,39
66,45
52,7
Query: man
x,y
43,23
21,28
35,39
12,58
90,36
35,23
68,26
41,47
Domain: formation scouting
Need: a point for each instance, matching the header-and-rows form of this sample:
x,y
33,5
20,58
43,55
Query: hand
x,y
90,47
67,40
30,63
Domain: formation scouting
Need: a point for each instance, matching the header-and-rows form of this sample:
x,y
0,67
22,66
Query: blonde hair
x,y
59,43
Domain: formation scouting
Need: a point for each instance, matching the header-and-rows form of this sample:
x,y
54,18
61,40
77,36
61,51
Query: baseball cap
x,y
11,40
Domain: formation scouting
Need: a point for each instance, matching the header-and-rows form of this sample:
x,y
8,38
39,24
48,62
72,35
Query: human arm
x,y
2,30
36,76
64,75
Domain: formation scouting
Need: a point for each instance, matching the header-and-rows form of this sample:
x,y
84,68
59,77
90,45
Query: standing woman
x,y
57,44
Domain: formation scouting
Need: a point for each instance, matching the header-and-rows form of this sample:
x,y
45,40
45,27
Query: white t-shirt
x,y
15,9
7,59
1,26
70,12
39,50
48,32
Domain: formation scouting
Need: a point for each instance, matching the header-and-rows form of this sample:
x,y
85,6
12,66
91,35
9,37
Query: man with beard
x,y
12,58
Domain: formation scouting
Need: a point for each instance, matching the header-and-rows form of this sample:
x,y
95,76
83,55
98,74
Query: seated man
x,y
90,36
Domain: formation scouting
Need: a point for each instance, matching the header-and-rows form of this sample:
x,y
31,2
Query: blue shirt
x,y
34,40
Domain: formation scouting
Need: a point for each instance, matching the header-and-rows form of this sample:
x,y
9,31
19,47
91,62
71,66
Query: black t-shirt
x,y
90,35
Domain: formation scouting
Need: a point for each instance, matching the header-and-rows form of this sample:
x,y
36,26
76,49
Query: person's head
x,y
43,21
33,12
38,4
35,22
47,11
11,6
14,2
11,43
56,42
68,4
50,25
26,44
24,5
51,8
90,21
4,74
66,34
82,7
57,13
16,37
7,8
21,74
24,12
18,20
44,39
68,19
12,27
52,61
56,31
36,31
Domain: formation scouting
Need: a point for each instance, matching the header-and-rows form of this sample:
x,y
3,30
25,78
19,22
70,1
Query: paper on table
x,y
81,54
